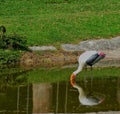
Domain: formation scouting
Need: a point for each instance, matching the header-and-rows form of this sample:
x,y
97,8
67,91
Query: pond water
x,y
59,97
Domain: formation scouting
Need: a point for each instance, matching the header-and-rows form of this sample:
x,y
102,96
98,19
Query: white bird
x,y
87,58
87,100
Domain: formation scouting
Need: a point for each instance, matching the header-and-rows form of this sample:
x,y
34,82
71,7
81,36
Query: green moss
x,y
58,74
15,76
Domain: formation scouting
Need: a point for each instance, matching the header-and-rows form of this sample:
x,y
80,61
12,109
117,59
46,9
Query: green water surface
x,y
49,90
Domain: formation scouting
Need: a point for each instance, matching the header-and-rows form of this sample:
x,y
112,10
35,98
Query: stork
x,y
87,58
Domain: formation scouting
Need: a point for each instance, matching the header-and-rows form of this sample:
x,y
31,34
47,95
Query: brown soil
x,y
48,59
61,58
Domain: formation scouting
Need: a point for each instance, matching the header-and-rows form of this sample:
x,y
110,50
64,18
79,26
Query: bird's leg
x,y
85,79
85,67
91,68
91,81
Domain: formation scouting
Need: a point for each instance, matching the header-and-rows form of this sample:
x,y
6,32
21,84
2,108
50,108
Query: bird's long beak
x,y
72,79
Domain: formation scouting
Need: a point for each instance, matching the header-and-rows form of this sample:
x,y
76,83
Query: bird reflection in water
x,y
88,100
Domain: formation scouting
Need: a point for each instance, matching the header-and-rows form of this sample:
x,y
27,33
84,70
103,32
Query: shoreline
x,y
55,59
50,56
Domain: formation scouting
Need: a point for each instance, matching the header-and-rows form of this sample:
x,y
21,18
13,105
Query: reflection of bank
x,y
23,99
15,99
61,97
42,97
49,97
58,97
118,90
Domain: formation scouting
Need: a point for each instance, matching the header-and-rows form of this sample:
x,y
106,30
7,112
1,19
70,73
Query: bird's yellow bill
x,y
72,79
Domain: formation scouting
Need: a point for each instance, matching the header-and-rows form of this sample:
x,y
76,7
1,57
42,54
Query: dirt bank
x,y
70,53
48,59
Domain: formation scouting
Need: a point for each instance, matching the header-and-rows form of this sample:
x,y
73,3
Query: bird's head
x,y
72,79
101,54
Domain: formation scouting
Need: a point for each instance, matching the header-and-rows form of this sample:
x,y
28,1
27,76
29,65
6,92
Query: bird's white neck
x,y
80,67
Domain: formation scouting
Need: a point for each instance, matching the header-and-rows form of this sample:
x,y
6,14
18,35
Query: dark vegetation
x,y
13,41
10,47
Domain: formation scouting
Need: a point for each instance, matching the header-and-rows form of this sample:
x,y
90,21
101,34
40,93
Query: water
x,y
58,97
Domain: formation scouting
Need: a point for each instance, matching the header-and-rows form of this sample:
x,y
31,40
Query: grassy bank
x,y
56,75
13,76
47,22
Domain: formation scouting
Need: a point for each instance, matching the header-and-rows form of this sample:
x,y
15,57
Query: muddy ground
x,y
69,53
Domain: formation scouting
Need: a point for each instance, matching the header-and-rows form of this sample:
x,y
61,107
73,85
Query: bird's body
x,y
82,60
88,58
86,55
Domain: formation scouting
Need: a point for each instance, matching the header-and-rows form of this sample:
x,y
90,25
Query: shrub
x,y
8,43
9,57
13,41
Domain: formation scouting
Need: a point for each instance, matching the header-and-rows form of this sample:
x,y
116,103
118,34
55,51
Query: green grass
x,y
47,22
56,75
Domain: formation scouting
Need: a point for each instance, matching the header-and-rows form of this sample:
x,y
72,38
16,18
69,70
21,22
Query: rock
x,y
111,47
102,44
42,48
